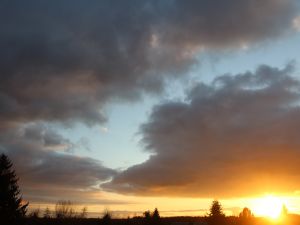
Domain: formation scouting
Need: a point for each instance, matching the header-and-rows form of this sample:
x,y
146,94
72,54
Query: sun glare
x,y
269,206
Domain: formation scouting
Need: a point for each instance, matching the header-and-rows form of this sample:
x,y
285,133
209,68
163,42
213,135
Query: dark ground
x,y
290,220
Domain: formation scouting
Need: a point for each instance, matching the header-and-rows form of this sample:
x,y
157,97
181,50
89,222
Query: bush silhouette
x,y
12,209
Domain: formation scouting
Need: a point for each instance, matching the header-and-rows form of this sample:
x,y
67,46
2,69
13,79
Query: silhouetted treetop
x,y
12,209
152,218
155,214
246,214
106,219
216,209
147,214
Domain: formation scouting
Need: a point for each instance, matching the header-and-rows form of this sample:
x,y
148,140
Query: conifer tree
x,y
216,215
155,217
12,209
47,213
216,209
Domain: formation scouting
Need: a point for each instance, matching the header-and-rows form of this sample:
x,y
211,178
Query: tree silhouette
x,y
106,219
47,213
246,214
64,209
147,217
155,217
152,218
216,215
155,214
216,209
147,214
84,212
12,209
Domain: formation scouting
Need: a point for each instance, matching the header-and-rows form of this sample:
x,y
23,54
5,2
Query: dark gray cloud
x,y
43,165
234,137
63,60
42,134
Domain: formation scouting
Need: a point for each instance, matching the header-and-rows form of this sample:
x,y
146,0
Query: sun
x,y
269,206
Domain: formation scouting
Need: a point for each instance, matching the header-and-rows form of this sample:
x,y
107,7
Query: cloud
x,y
296,23
237,136
42,163
45,136
63,61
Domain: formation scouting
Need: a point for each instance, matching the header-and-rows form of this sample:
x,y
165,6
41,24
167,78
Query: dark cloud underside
x,y
45,165
237,136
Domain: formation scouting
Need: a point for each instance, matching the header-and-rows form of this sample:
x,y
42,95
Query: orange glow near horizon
x,y
269,206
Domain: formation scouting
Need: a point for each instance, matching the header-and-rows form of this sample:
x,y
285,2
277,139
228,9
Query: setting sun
x,y
269,206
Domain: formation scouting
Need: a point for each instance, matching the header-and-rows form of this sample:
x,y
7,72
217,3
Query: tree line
x,y
13,208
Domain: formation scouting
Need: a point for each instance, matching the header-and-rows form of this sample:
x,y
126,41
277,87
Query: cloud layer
x,y
62,61
237,136
45,165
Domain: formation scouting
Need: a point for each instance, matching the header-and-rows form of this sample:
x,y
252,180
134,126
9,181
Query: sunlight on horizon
x,y
269,206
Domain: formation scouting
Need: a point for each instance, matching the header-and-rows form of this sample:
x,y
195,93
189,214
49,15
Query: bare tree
x,y
106,219
84,212
64,209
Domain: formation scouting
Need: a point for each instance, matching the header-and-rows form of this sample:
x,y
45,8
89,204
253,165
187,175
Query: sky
x,y
132,105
